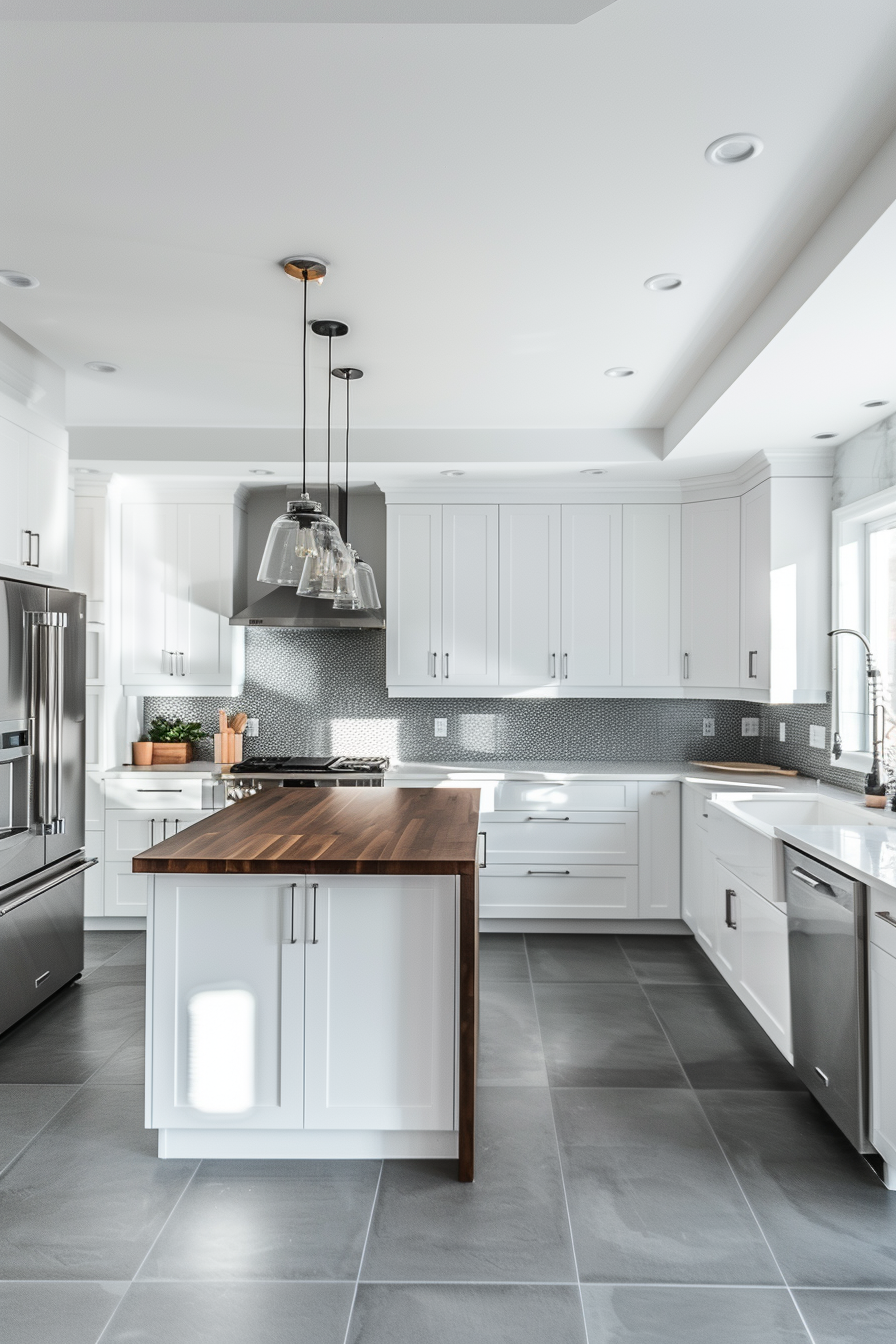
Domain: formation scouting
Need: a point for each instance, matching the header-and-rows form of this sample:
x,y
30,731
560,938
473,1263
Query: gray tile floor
x,y
649,1170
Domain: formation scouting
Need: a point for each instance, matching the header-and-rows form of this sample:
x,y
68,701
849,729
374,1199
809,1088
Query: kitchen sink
x,y
808,810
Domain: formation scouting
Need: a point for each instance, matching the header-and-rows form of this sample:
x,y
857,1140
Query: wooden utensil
x,y
744,767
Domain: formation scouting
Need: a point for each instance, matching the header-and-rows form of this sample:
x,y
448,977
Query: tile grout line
x,y
85,975
376,1195
572,1240
725,1156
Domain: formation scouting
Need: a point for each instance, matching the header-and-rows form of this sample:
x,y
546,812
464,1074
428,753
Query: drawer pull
x,y
483,835
547,818
547,872
886,917
160,790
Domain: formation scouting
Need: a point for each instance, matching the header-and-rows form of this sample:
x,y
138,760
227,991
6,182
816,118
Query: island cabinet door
x,y
380,1003
225,1003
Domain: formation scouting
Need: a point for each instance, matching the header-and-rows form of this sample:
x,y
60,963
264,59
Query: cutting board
x,y
744,767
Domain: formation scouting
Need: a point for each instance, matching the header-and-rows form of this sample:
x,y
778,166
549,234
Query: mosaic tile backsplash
x,y
317,692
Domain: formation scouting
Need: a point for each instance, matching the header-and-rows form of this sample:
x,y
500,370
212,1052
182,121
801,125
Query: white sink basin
x,y
809,810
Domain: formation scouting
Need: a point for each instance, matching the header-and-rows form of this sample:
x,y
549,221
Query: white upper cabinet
x,y
592,595
179,567
651,588
530,559
33,504
469,653
414,602
755,613
710,593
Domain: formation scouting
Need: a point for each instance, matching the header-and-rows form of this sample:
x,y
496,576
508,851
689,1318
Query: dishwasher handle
x,y
824,888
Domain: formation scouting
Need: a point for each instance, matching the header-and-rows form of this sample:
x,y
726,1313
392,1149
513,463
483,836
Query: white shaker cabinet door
x,y
530,594
226,1002
13,458
727,899
882,1013
710,593
148,593
469,651
651,594
414,595
755,610
659,850
46,504
592,595
380,1002
203,655
765,965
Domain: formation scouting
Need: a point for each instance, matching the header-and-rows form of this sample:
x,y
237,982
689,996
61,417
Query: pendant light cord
x,y
329,404
347,384
304,374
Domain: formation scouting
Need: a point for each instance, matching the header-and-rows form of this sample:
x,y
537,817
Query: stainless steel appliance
x,y
42,858
826,939
310,772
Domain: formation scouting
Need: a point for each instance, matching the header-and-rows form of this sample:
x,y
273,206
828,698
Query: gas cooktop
x,y
312,765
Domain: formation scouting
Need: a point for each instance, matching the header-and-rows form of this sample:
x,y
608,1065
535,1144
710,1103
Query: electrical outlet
x,y
782,732
251,728
440,728
709,727
749,727
816,736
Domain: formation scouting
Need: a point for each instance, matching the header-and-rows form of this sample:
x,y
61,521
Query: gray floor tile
x,y
423,1313
126,1067
24,1110
510,1053
100,946
56,1313
651,1197
577,956
268,1220
668,959
720,1044
637,1315
502,956
89,1196
866,1317
828,1219
74,1032
510,1224
133,953
603,1036
232,1313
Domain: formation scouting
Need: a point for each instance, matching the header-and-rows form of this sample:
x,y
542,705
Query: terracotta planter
x,y
141,753
172,753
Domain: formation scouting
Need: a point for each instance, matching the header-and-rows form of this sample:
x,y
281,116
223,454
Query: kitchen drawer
x,y
159,793
561,839
577,796
124,892
880,931
129,832
589,892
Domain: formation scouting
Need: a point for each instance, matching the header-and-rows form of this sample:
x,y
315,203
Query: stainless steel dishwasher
x,y
826,940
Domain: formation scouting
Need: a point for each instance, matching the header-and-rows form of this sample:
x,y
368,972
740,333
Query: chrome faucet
x,y
875,781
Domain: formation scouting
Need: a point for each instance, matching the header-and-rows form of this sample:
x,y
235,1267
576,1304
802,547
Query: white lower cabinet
x,y
882,1024
560,840
515,891
128,832
727,939
698,904
322,1003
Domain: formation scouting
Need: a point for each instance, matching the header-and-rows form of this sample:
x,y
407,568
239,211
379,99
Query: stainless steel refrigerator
x,y
42,857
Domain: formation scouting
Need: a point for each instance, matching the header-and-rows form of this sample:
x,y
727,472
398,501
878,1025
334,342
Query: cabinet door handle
x,y
885,916
26,546
547,872
547,818
182,664
686,668
314,913
292,912
152,831
553,665
484,836
164,828
754,653
177,825
729,904
660,793
446,667
435,664
36,536
566,667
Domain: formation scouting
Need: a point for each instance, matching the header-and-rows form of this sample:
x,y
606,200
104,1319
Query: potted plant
x,y
172,740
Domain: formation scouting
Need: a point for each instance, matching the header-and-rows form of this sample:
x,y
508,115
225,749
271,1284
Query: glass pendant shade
x,y
291,541
370,598
347,597
325,562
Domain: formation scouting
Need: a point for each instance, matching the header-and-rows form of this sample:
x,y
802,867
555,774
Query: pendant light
x,y
324,568
304,532
359,589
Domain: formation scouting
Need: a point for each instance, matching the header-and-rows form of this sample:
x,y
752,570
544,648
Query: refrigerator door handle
x,y
48,699
55,881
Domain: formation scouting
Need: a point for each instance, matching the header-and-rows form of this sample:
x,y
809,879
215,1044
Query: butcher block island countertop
x,y
312,977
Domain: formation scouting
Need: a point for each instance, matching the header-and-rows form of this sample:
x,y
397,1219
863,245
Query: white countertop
x,y
866,853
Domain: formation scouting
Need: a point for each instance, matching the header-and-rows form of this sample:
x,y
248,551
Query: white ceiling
x,y
490,198
306,11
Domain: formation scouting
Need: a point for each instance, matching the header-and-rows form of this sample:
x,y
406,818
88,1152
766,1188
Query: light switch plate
x,y
251,728
709,727
749,727
782,732
816,736
440,727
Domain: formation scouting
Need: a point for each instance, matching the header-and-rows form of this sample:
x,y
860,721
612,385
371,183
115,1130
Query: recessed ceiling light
x,y
259,471
18,280
824,436
662,282
870,404
593,471
452,473
618,371
730,149
101,366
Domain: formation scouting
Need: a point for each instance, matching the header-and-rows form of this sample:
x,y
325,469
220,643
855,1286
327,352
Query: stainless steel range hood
x,y
282,609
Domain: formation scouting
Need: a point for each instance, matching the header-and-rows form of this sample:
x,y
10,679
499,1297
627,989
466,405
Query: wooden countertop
x,y
329,830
